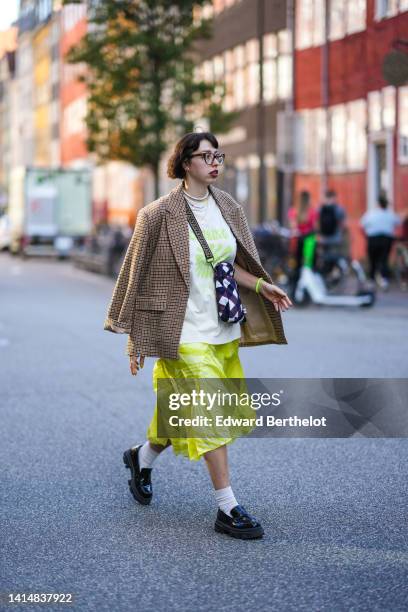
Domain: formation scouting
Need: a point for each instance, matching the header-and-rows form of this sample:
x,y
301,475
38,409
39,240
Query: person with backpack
x,y
331,219
331,222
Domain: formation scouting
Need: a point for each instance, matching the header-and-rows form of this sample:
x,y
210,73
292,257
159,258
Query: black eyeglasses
x,y
209,157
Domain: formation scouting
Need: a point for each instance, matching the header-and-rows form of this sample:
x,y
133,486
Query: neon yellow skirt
x,y
197,360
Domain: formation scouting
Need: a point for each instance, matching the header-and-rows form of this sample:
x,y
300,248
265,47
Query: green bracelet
x,y
257,284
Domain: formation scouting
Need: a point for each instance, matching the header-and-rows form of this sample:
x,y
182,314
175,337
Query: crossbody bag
x,y
229,305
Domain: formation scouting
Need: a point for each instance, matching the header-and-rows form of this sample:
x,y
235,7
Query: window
x,y
385,8
208,72
284,77
284,41
305,24
44,9
42,93
239,77
277,67
218,71
389,106
270,47
239,53
310,129
375,111
74,117
252,71
348,136
72,14
229,61
319,22
218,67
239,88
337,136
403,124
229,92
356,16
310,23
237,71
346,17
337,19
382,109
356,146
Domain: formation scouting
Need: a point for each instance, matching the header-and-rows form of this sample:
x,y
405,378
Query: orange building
x,y
72,93
116,186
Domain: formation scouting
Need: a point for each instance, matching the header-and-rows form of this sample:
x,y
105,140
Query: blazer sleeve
x,y
249,240
120,312
247,234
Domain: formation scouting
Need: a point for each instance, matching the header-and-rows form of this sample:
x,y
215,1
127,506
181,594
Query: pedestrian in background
x,y
302,220
331,220
165,300
379,227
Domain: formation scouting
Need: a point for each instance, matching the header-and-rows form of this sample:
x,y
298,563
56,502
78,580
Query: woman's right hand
x,y
136,362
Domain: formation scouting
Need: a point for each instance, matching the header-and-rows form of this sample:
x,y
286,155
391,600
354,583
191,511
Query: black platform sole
x,y
137,496
247,534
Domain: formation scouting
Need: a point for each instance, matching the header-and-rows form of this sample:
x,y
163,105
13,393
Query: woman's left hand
x,y
277,296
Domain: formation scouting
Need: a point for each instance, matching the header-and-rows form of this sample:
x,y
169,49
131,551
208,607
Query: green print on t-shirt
x,y
221,251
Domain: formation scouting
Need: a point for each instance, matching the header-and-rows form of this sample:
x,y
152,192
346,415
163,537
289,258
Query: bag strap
x,y
199,234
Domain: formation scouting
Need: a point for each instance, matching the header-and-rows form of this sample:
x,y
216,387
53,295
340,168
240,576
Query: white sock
x,y
225,499
147,455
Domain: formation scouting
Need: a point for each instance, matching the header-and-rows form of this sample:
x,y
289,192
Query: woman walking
x,y
165,300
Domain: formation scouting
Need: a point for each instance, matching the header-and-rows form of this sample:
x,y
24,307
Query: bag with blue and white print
x,y
230,307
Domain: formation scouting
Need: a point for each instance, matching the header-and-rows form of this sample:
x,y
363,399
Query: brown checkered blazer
x,y
150,296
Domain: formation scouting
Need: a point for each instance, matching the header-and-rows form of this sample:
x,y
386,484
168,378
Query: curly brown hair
x,y
183,149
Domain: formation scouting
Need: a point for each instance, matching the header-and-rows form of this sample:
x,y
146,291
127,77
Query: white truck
x,y
49,209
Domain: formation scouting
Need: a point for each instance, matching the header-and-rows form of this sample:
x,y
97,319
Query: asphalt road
x,y
334,510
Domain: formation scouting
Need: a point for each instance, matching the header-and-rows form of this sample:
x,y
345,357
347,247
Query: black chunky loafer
x,y
140,484
240,525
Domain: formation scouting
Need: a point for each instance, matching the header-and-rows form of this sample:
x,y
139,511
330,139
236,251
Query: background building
x,y
350,126
41,45
25,79
8,95
73,94
251,52
116,186
306,77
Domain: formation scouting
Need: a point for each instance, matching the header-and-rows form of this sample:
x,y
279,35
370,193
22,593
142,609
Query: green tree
x,y
139,58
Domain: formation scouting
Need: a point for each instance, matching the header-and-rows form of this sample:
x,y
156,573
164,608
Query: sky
x,y
8,13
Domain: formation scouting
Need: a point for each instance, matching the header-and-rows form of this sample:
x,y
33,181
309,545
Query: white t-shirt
x,y
202,322
380,221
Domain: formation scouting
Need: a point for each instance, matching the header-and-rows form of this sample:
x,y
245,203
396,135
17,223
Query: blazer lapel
x,y
177,231
177,225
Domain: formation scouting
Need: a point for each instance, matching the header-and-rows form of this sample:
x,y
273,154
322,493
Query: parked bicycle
x,y
273,243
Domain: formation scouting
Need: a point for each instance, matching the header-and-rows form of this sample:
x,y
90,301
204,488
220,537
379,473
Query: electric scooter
x,y
312,288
